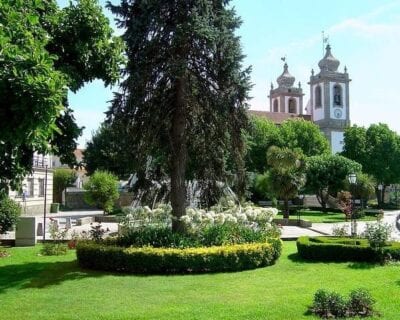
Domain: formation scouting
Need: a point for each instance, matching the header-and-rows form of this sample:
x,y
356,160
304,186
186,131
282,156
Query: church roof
x,y
279,117
329,62
285,80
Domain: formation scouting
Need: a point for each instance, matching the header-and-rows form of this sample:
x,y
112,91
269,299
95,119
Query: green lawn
x,y
34,287
325,217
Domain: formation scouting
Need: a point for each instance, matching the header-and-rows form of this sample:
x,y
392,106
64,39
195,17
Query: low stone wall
x,y
293,222
74,200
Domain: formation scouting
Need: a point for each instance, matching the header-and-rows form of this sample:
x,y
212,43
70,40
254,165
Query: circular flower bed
x,y
107,256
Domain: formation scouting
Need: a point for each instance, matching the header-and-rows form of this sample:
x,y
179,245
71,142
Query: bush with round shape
x,y
9,214
108,256
102,190
343,249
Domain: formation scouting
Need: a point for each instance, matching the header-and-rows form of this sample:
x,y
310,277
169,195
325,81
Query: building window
x,y
41,187
337,95
30,188
276,107
292,106
318,97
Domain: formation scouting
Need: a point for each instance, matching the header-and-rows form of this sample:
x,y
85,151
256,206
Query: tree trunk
x,y
322,200
178,156
286,208
380,196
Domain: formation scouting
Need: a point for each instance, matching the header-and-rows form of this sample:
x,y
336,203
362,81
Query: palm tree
x,y
286,175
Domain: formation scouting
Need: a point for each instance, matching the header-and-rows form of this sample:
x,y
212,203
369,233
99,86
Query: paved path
x,y
389,217
288,232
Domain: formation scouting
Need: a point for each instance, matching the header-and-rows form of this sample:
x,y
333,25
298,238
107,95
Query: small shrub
x,y
329,304
9,214
102,190
377,234
96,232
361,303
4,253
53,249
340,231
57,246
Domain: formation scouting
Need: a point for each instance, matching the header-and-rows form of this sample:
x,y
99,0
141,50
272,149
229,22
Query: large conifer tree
x,y
184,94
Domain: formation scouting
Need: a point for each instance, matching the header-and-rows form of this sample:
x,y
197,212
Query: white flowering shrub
x,y
249,215
141,216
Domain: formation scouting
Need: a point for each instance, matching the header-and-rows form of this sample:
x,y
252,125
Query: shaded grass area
x,y
37,287
326,217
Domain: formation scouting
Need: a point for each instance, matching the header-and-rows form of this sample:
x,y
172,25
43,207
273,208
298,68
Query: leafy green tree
x,y
108,151
364,188
9,213
184,95
326,175
285,177
62,178
44,52
303,135
262,135
102,190
377,149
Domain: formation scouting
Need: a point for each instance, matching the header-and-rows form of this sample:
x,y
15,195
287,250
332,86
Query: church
x,y
328,106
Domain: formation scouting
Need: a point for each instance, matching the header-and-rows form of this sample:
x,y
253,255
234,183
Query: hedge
x,y
342,249
149,260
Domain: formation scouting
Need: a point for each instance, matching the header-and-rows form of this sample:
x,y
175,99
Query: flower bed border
x,y
149,260
333,249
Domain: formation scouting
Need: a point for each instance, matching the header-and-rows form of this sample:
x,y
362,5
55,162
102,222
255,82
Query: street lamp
x,y
301,197
353,180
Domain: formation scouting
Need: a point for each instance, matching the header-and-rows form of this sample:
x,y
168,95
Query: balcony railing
x,y
40,161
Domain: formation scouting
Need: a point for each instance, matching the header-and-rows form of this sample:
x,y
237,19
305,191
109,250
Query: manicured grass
x,y
325,217
35,287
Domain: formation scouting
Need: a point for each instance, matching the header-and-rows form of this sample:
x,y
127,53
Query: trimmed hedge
x,y
150,260
342,249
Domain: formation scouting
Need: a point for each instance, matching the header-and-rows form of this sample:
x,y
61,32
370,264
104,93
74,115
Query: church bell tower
x,y
329,100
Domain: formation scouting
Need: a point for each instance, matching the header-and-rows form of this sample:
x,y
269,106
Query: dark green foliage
x,y
168,260
102,190
343,249
107,151
216,235
44,52
326,175
377,149
285,177
303,135
361,303
329,304
62,178
9,214
262,135
294,134
183,100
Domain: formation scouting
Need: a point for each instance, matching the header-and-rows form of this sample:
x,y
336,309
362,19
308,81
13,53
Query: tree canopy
x,y
294,134
185,90
377,149
45,51
326,175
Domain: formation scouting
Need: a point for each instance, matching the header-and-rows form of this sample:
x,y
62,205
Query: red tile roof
x,y
279,117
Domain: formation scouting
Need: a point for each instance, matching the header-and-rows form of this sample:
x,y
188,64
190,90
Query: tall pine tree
x,y
185,90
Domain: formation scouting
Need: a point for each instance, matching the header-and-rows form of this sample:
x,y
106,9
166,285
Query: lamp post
x,y
353,225
301,197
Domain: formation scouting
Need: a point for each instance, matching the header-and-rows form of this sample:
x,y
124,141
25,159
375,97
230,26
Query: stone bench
x,y
84,220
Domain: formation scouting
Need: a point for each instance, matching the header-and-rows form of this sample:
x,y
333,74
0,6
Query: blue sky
x,y
364,35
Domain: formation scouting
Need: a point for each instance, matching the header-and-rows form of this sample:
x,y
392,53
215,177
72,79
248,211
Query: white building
x,y
35,190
